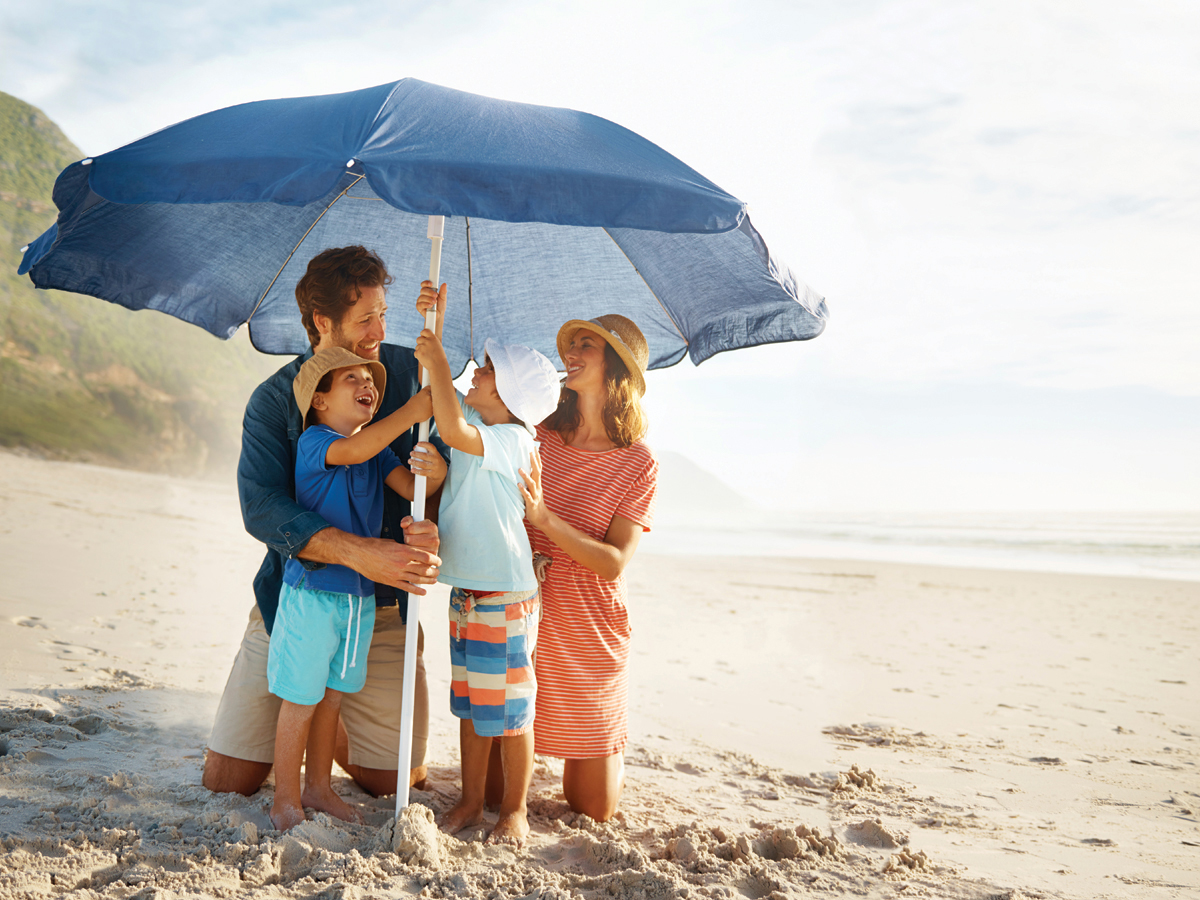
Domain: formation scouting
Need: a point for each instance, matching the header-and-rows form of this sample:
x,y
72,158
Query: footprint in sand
x,y
28,621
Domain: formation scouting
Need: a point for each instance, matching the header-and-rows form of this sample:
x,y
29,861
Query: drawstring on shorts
x,y
355,624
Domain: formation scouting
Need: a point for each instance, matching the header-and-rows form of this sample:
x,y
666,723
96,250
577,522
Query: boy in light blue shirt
x,y
487,560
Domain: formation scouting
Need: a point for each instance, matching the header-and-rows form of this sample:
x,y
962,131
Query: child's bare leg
x,y
516,754
474,751
318,792
291,734
494,794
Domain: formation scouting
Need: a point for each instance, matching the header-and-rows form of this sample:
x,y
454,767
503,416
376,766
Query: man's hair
x,y
334,282
624,418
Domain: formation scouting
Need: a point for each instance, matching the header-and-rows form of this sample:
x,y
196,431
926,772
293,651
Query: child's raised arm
x,y
453,428
425,460
371,439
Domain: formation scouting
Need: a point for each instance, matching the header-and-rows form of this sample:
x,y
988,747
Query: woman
x,y
597,499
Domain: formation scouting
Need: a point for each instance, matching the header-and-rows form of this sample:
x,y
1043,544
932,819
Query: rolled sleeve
x,y
266,476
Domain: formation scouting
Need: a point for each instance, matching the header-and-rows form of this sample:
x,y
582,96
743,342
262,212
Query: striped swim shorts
x,y
492,639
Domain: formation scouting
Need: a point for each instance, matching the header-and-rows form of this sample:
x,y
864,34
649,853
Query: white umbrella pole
x,y
437,229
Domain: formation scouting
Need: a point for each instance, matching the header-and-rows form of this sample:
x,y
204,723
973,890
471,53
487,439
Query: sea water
x,y
1142,544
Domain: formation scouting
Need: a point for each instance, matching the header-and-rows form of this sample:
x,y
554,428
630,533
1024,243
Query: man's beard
x,y
340,339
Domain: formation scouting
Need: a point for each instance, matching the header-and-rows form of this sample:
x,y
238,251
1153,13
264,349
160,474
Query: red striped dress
x,y
583,640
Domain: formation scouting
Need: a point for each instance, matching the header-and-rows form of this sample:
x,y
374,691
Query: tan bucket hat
x,y
621,334
315,367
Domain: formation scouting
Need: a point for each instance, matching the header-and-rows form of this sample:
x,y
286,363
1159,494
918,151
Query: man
x,y
342,304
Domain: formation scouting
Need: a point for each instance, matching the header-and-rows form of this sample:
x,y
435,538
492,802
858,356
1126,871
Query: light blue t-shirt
x,y
348,497
481,518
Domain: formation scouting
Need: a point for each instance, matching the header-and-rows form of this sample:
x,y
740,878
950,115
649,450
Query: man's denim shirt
x,y
267,474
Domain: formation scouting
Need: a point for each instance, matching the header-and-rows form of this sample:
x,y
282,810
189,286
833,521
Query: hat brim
x,y
329,361
572,326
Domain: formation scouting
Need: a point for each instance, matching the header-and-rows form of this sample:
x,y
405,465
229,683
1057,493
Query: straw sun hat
x,y
621,334
315,367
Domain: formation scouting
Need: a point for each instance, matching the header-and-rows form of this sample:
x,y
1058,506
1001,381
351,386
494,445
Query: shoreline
x,y
804,727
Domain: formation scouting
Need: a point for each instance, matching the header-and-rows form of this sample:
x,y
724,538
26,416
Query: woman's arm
x,y
369,441
607,558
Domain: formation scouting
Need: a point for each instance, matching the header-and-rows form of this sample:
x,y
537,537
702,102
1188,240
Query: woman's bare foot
x,y
511,829
326,800
460,816
286,817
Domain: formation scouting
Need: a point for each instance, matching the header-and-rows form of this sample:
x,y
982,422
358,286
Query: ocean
x,y
1141,544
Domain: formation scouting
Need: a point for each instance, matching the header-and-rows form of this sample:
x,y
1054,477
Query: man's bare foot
x,y
285,817
511,829
460,816
326,800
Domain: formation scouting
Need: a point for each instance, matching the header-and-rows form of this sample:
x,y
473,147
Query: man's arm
x,y
404,566
266,485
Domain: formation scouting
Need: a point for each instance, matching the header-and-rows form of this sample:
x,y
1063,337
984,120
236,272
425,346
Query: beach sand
x,y
798,727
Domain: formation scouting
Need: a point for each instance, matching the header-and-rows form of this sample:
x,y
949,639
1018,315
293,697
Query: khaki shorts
x,y
246,717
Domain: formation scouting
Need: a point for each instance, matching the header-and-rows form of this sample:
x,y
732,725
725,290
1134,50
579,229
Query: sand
x,y
798,728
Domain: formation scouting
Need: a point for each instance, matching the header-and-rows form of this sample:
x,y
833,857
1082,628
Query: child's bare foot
x,y
460,816
511,829
286,817
326,800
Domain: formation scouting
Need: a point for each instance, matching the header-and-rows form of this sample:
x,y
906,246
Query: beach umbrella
x,y
537,214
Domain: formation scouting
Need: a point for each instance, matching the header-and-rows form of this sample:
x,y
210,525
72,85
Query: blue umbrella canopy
x,y
551,214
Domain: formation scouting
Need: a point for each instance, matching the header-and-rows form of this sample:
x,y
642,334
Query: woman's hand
x,y
425,460
531,489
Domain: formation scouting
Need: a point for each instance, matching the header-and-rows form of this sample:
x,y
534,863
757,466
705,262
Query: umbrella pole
x,y
437,229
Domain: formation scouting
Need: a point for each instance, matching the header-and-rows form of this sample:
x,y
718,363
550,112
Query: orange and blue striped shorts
x,y
492,639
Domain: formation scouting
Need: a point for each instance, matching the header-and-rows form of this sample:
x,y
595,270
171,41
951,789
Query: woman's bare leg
x,y
512,827
291,735
593,786
318,765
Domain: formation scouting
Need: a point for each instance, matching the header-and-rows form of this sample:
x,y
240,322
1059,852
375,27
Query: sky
x,y
1000,202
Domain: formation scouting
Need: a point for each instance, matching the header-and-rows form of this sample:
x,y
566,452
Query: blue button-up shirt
x,y
267,474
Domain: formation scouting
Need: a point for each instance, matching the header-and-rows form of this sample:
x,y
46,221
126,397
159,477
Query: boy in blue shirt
x,y
487,560
323,627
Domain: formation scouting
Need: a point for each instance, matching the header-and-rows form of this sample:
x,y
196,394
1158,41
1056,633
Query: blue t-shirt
x,y
348,497
481,518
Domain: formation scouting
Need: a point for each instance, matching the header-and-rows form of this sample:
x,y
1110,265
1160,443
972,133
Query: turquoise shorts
x,y
320,640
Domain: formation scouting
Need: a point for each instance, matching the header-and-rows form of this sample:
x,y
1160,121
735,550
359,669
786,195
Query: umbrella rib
x,y
661,305
297,247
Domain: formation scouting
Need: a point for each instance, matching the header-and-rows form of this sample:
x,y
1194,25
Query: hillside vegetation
x,y
84,379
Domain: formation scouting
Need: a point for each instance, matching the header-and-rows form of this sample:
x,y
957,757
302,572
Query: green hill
x,y
84,379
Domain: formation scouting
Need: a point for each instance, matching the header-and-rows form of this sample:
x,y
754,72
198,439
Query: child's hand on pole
x,y
425,460
428,296
429,351
419,406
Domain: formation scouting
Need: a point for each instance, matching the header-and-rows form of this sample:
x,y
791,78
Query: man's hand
x,y
403,566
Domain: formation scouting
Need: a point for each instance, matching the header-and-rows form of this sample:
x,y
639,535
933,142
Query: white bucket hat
x,y
525,380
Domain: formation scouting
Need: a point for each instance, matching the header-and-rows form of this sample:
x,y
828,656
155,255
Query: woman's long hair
x,y
624,419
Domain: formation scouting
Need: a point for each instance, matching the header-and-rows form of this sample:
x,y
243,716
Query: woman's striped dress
x,y
583,640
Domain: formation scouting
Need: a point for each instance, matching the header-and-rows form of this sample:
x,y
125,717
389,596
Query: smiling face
x,y
483,397
361,329
350,401
584,359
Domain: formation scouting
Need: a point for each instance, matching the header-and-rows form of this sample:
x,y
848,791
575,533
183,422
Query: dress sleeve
x,y
638,503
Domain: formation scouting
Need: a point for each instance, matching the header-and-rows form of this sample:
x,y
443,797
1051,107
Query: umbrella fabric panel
x,y
425,149
528,279
735,295
195,265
